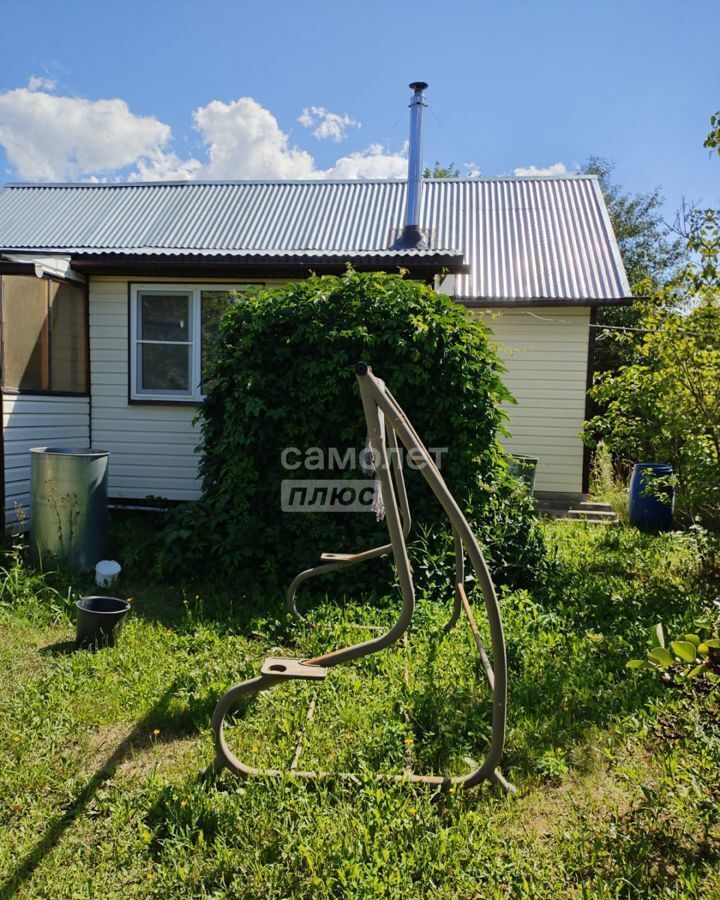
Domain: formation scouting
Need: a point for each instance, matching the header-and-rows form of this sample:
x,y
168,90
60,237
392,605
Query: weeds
x,y
28,592
606,484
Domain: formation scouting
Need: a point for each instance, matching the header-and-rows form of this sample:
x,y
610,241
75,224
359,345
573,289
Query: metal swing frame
x,y
386,423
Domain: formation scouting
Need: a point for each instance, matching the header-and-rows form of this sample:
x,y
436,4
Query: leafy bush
x,y
687,656
284,378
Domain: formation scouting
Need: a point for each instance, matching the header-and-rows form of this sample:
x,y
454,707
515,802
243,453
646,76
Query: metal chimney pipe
x,y
412,235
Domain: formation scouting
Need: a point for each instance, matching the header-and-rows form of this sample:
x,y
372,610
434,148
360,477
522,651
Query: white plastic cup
x,y
106,572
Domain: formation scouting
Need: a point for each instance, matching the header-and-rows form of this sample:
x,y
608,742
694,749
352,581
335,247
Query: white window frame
x,y
194,395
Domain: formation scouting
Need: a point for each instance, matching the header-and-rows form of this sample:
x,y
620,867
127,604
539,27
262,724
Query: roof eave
x,y
552,302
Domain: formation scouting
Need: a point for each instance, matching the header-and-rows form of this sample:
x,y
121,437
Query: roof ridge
x,y
88,185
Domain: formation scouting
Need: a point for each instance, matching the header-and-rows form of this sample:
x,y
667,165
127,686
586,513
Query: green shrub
x,y
284,378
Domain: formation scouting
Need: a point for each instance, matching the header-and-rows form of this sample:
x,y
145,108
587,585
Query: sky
x,y
229,89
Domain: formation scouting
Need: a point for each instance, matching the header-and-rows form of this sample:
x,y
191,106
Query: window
x,y
175,332
164,343
44,335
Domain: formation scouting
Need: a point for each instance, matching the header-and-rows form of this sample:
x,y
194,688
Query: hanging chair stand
x,y
386,424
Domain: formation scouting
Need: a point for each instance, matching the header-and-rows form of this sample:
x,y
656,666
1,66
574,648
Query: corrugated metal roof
x,y
524,238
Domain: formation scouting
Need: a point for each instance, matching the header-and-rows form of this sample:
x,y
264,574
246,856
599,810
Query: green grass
x,y
617,774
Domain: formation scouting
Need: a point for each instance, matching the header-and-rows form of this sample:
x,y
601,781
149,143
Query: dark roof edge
x,y
264,266
16,268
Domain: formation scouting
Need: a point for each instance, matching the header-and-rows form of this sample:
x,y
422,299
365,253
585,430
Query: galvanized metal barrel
x,y
68,505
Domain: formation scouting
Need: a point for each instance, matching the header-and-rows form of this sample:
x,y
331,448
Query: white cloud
x,y
163,166
557,168
244,140
325,124
373,162
54,138
38,82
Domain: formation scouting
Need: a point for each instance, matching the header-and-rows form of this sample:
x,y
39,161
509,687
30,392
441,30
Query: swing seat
x,y
380,407
286,667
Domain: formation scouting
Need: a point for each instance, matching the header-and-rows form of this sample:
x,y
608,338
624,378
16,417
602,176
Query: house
x,y
111,295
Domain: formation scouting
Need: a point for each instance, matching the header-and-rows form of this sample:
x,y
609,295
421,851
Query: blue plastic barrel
x,y
647,512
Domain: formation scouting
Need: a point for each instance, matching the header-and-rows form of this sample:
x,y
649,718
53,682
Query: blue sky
x,y
216,89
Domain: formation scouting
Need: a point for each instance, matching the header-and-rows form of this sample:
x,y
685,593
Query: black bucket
x,y
99,620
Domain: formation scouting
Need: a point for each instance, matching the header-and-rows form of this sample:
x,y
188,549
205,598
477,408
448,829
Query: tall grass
x,y
606,484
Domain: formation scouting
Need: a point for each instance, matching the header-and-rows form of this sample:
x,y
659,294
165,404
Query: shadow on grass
x,y
648,852
234,602
140,738
59,648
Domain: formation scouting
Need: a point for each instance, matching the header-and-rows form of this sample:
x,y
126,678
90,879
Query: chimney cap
x,y
418,85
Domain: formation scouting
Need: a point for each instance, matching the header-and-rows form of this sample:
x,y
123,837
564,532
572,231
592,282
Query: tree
x,y
440,171
664,404
650,252
712,141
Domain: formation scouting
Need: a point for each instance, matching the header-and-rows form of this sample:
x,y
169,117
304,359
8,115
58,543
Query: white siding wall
x,y
151,447
546,357
35,421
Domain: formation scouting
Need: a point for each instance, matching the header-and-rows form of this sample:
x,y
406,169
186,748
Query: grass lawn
x,y
617,773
